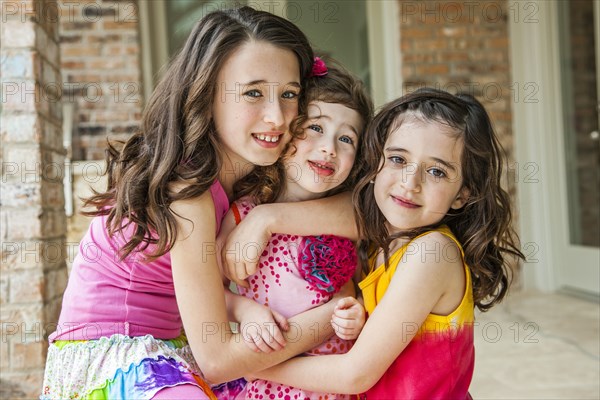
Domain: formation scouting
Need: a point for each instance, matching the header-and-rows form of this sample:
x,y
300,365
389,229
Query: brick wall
x,y
101,74
100,61
33,225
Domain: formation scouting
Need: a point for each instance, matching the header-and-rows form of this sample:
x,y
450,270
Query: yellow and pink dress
x,y
438,362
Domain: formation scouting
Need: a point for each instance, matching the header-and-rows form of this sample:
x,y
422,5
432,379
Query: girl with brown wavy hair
x,y
147,265
437,242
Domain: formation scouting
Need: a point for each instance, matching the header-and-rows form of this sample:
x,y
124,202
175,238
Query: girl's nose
x,y
328,146
410,178
274,114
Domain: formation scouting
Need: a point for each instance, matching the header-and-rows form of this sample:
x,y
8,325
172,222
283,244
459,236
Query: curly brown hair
x,y
339,86
177,141
483,224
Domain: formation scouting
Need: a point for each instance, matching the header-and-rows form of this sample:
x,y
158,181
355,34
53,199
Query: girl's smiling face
x,y
255,101
323,159
421,177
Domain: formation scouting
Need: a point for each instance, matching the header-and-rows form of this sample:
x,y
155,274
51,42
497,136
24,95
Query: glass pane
x,y
337,29
580,99
182,15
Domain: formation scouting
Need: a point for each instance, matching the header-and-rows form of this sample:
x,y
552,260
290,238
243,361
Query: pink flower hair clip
x,y
319,68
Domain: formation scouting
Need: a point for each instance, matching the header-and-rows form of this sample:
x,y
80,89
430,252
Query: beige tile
x,y
538,346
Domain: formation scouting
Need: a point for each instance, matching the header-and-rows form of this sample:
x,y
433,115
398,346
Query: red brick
x,y
118,25
418,32
499,42
79,51
450,56
434,69
432,44
418,58
71,64
406,45
453,30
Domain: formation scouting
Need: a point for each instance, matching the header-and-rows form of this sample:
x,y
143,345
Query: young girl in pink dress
x,y
297,273
438,241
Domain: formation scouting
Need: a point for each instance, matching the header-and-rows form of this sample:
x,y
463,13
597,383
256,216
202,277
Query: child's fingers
x,y
241,273
345,302
257,338
355,312
346,333
236,274
346,336
250,343
277,339
261,344
345,314
281,320
343,323
274,338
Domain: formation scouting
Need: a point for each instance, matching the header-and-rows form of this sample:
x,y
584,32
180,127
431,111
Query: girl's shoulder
x,y
437,247
210,204
436,241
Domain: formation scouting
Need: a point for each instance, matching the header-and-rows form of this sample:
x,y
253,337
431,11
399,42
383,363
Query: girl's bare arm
x,y
419,284
221,354
328,216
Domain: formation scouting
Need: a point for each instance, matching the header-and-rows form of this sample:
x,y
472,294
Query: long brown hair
x,y
177,141
483,224
339,86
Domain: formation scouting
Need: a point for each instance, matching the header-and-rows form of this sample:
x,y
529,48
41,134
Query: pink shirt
x,y
106,296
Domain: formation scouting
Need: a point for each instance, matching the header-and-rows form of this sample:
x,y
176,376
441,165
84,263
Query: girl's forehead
x,y
407,123
426,138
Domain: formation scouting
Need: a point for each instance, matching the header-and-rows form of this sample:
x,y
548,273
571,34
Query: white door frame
x,y
383,22
539,144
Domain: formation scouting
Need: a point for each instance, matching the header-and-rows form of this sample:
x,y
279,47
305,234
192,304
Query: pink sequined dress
x,y
295,274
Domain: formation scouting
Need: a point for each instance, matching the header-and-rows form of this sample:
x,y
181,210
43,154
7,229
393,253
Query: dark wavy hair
x,y
339,86
483,225
177,141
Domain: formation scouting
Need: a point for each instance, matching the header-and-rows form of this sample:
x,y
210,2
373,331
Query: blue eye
x,y
253,93
289,95
438,173
316,128
347,139
397,160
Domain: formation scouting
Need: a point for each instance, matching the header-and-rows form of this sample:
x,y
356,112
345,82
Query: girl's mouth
x,y
322,168
268,140
404,202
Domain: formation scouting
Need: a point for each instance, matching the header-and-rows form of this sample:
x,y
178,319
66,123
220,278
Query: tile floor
x,y
538,346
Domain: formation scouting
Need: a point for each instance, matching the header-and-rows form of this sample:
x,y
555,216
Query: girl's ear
x,y
461,199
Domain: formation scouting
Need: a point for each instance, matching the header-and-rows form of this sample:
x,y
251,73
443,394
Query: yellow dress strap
x,y
398,254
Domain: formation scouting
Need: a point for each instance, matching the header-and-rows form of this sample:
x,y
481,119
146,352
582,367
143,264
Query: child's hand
x,y
251,236
348,318
261,329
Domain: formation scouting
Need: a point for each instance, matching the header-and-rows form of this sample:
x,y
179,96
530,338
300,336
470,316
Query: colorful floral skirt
x,y
119,367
